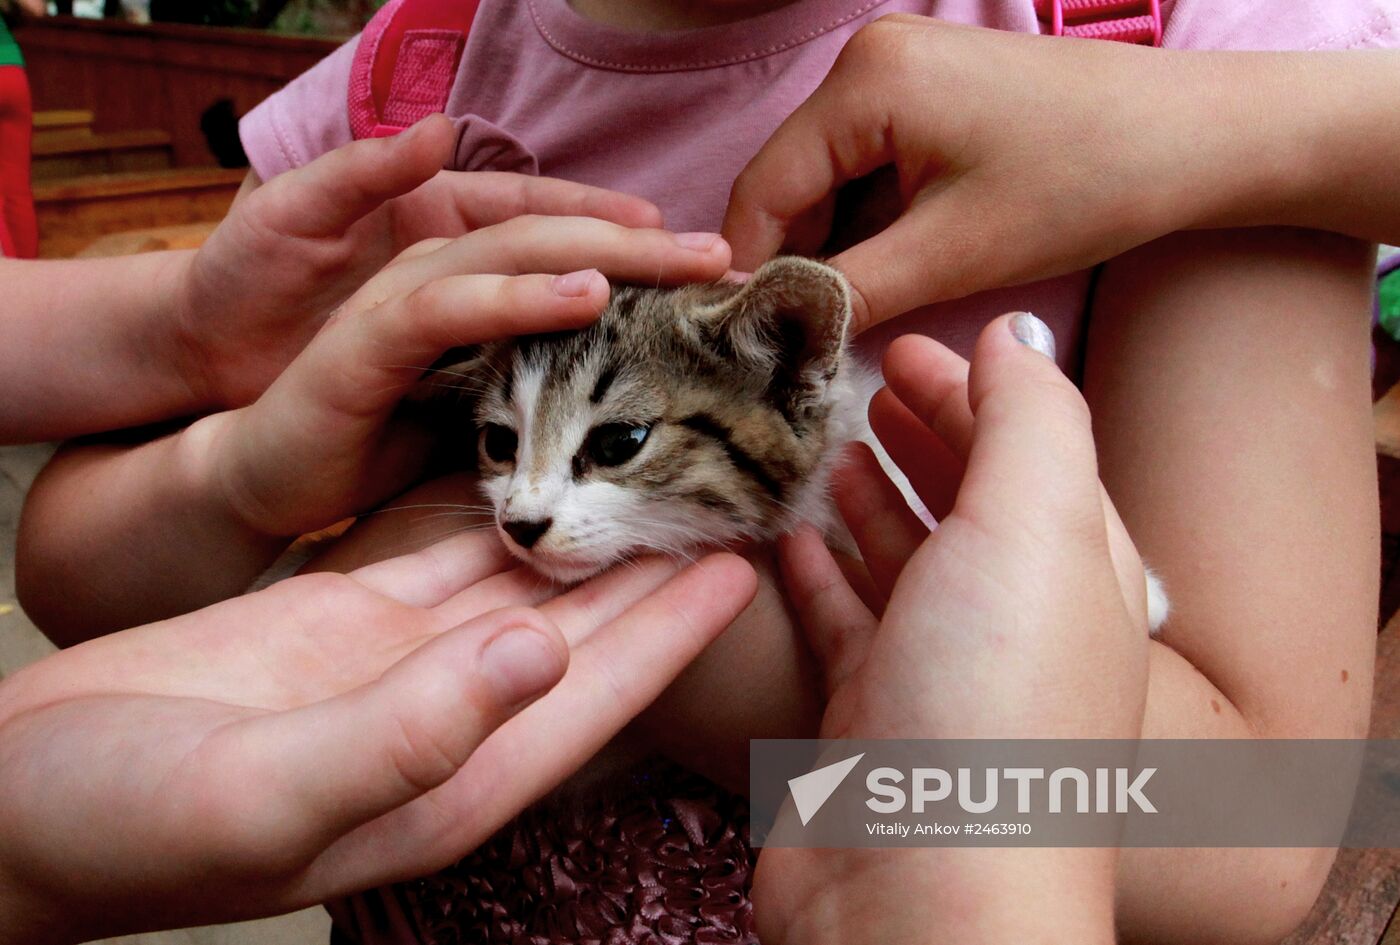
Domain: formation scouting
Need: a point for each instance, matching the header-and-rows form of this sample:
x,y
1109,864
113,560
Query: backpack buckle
x,y
1124,21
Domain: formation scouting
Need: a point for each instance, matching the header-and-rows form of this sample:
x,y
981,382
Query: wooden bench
x,y
74,213
58,122
77,152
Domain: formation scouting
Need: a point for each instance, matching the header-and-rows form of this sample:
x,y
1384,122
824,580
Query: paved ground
x,y
21,644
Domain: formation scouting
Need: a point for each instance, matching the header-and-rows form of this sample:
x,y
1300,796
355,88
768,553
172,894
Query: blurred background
x,y
136,106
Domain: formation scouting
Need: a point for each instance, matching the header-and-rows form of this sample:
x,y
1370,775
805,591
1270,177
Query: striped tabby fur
x,y
739,398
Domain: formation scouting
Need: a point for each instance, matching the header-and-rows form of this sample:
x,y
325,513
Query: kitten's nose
x,y
526,532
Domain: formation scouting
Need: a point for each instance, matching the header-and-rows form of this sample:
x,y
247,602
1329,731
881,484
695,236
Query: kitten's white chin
x,y
562,571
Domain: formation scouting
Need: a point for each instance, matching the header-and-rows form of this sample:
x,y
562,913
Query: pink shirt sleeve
x,y
1280,25
304,120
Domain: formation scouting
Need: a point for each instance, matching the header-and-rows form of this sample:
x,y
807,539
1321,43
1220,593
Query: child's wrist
x,y
1208,93
181,327
1262,171
209,471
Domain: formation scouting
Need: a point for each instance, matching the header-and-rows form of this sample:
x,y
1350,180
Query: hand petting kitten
x,y
195,517
185,332
1023,615
296,247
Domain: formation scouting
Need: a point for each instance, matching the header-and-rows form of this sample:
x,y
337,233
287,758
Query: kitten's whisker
x,y
434,505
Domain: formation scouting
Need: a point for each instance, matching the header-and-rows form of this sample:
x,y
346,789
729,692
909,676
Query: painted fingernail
x,y
1033,333
699,242
576,284
520,664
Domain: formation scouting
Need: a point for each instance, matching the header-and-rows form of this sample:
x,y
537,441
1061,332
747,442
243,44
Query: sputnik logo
x,y
813,789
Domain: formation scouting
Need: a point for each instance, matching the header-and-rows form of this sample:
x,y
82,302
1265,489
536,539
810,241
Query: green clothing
x,y
1388,301
9,49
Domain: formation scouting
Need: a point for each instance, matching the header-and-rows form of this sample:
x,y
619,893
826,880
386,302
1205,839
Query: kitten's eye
x,y
613,444
499,442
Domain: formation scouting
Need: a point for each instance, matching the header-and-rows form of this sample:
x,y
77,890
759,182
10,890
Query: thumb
x,y
324,769
840,133
327,196
1033,456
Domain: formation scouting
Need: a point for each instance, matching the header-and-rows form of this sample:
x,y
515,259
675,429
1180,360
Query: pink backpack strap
x,y
1125,21
405,64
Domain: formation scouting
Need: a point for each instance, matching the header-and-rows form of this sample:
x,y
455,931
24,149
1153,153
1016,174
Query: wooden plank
x,y
159,75
1387,416
81,153
73,214
83,142
1362,894
62,120
128,185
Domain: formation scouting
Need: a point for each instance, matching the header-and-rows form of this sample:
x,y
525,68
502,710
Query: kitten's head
x,y
683,417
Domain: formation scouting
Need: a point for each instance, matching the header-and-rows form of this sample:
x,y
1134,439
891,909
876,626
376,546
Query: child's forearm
x,y
1298,139
92,345
115,536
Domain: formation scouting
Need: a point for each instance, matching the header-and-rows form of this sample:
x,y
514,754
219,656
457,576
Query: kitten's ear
x,y
454,380
791,318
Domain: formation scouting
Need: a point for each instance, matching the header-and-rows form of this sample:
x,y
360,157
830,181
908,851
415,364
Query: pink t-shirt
x,y
673,117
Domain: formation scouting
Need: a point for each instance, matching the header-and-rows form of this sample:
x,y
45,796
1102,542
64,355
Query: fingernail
x,y
520,664
1033,333
576,284
700,242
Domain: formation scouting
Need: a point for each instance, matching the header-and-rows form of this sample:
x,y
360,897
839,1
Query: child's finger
x,y
931,380
933,469
833,618
858,576
558,245
384,744
428,577
516,587
840,133
596,602
612,676
361,365
484,198
1033,455
327,196
578,611
885,529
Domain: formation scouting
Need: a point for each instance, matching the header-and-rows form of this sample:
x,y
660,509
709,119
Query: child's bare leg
x,y
1228,376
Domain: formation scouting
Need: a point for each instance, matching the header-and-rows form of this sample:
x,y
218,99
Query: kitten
x,y
684,418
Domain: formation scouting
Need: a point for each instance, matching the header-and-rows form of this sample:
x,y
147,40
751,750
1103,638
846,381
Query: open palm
x,y
326,735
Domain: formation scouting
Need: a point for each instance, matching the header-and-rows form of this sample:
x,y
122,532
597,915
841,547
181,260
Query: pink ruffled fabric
x,y
664,860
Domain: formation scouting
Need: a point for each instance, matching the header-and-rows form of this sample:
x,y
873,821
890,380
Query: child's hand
x,y
321,443
1018,158
326,735
1023,615
297,246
